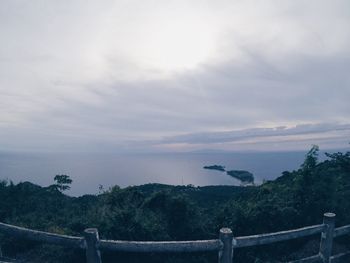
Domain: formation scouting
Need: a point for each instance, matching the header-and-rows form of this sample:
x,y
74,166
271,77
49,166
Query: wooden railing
x,y
224,245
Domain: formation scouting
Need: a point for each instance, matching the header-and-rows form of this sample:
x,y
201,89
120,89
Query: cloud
x,y
72,75
240,135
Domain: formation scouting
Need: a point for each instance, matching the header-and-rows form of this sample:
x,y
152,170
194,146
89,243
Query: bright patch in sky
x,y
176,45
167,39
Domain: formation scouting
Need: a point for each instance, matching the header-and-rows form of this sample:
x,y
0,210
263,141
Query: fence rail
x,y
161,246
341,231
225,244
263,239
45,237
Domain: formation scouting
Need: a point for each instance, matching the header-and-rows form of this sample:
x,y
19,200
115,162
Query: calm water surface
x,y
88,171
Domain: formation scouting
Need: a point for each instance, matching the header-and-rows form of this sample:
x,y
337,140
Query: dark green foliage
x,y
162,212
62,182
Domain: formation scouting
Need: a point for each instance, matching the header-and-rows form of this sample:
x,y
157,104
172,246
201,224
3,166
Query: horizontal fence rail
x,y
343,257
161,246
341,231
40,236
225,244
263,239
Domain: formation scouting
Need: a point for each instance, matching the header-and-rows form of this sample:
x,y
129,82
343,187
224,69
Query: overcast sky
x,y
174,75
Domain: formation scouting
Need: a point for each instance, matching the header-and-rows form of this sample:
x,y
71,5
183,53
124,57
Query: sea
x,y
93,172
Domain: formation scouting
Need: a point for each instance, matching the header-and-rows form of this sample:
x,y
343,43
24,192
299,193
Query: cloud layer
x,y
84,76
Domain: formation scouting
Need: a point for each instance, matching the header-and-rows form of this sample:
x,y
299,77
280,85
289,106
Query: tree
x,y
62,182
311,158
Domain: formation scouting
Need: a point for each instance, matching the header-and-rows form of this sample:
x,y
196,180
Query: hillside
x,y
163,212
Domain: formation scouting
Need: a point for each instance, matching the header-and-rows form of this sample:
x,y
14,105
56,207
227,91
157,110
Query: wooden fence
x,y
224,245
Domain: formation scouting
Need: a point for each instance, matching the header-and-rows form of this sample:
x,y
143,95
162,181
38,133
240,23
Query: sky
x,y
174,76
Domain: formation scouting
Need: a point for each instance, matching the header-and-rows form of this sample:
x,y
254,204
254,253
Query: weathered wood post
x,y
226,252
327,237
92,251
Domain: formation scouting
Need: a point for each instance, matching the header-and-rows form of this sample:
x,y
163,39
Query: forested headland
x,y
163,212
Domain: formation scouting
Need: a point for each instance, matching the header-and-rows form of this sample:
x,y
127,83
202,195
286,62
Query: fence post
x,y
92,251
226,252
327,237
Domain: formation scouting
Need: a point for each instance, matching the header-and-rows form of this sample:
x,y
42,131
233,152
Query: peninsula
x,y
242,175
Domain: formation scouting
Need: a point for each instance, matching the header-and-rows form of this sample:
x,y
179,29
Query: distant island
x,y
244,176
215,167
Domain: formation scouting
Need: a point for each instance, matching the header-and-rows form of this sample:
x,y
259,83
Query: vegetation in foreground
x,y
162,212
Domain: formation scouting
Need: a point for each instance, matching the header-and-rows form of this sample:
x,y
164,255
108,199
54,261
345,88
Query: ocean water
x,y
89,171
